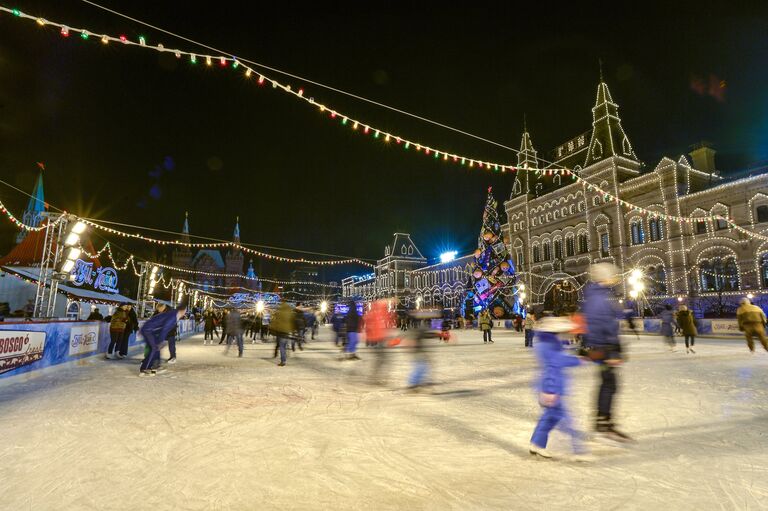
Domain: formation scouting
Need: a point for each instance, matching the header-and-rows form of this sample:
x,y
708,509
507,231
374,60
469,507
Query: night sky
x,y
133,136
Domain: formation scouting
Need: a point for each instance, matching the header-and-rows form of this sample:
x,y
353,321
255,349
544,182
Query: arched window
x,y
558,249
764,270
762,214
657,280
638,234
605,245
719,273
570,246
547,251
595,200
536,254
701,227
582,207
657,233
583,245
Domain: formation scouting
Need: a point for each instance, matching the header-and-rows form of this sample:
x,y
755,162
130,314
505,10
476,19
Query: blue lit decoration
x,y
103,278
493,271
253,298
343,308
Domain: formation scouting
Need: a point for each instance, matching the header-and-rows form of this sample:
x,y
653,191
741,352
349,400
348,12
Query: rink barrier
x,y
30,346
647,326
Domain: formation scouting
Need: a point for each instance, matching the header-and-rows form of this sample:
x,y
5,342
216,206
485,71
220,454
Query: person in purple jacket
x,y
155,331
552,386
601,339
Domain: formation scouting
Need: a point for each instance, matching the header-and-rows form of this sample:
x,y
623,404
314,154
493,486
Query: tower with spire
x,y
182,255
234,259
526,158
608,137
35,207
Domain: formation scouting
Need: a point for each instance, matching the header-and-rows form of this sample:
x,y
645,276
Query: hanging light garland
x,y
21,225
227,244
230,62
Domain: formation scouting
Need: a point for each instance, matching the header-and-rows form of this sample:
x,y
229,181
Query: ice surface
x,y
217,433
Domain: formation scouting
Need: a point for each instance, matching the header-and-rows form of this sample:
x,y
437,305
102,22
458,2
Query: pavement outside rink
x,y
221,433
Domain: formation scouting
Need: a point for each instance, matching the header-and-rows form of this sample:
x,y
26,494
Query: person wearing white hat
x,y
602,339
553,385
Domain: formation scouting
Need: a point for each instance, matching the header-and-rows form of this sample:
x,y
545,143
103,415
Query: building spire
x,y
35,207
600,65
526,159
236,233
608,137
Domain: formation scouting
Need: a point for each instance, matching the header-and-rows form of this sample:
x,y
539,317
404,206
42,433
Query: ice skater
x,y
552,387
377,321
282,325
667,324
486,324
752,322
603,343
352,322
422,366
687,324
155,331
234,325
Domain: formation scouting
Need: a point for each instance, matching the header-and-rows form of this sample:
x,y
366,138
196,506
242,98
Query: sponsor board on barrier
x,y
725,327
83,339
20,348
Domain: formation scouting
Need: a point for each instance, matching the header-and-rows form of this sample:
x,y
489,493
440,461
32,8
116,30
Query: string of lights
x,y
229,62
226,244
26,227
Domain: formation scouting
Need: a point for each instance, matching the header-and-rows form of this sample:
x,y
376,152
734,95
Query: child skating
x,y
552,386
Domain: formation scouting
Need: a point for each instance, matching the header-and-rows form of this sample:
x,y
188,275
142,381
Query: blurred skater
x,y
529,326
552,387
752,322
422,366
170,336
155,331
352,323
667,324
602,341
281,325
377,321
687,324
234,326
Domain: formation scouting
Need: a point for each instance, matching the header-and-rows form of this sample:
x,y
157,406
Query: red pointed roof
x,y
30,251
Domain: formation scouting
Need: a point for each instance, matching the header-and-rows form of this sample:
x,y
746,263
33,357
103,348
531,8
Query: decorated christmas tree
x,y
493,271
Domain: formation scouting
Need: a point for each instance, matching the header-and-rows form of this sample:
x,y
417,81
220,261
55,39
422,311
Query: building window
x,y
583,246
701,227
764,270
656,229
536,255
638,234
570,247
582,207
596,201
558,249
719,274
605,247
721,224
762,214
547,251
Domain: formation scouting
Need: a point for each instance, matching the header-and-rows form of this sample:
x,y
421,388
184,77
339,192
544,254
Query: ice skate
x,y
147,372
582,457
172,360
693,351
537,451
160,370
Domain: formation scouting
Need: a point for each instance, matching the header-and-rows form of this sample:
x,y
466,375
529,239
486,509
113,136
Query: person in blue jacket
x,y
602,341
552,386
155,331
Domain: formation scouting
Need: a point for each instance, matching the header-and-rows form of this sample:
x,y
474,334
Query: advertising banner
x,y
84,339
725,326
19,348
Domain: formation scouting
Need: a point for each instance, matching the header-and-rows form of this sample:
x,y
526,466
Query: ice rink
x,y
216,432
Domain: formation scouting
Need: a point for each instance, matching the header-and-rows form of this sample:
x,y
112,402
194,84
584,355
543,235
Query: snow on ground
x,y
218,433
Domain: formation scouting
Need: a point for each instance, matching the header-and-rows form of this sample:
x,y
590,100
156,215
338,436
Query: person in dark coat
x,y
171,337
155,331
668,324
602,342
687,323
95,315
130,327
234,325
209,320
300,328
353,324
